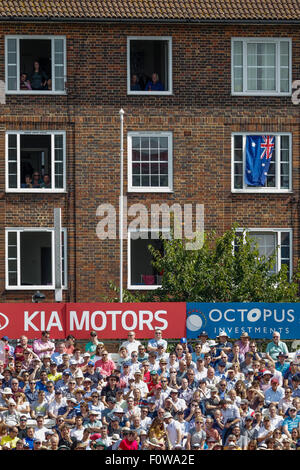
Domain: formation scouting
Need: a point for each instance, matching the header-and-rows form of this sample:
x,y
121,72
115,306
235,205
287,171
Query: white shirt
x,y
172,430
77,433
131,346
40,433
143,387
54,406
200,375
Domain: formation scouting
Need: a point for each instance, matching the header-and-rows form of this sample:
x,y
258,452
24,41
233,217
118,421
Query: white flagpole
x,y
121,112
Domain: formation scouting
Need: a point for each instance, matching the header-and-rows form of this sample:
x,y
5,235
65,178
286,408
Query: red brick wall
x,y
201,113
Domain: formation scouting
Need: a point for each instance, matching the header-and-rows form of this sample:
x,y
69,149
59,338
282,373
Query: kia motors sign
x,y
110,320
115,320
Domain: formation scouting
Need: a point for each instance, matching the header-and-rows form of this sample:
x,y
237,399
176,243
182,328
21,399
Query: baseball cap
x,y
183,340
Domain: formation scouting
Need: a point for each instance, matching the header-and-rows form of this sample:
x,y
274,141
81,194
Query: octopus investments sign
x,y
259,320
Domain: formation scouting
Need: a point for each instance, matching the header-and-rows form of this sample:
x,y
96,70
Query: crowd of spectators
x,y
210,394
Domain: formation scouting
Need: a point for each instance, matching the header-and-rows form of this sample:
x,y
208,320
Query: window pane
x,y
267,243
261,66
238,66
12,73
12,258
153,150
12,161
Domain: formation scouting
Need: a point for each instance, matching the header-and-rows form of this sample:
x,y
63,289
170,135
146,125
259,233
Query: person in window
x,y
46,182
154,84
38,79
28,182
135,86
36,182
24,82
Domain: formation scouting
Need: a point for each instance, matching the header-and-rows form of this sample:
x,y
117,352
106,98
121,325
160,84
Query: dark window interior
x,y
147,57
35,156
142,271
36,258
32,50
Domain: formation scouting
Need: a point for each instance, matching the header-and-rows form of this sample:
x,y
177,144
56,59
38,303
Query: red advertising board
x,y
110,320
31,319
114,320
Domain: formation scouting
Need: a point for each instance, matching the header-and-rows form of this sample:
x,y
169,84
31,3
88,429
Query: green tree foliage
x,y
228,268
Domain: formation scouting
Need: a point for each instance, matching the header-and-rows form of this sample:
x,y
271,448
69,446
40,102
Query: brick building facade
x,y
199,113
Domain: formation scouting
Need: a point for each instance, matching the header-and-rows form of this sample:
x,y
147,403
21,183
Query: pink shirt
x,y
127,445
41,348
107,367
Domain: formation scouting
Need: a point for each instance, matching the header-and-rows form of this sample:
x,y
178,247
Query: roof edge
x,y
44,19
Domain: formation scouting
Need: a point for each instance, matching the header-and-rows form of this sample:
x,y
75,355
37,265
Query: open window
x,y
30,259
149,65
35,161
35,64
141,273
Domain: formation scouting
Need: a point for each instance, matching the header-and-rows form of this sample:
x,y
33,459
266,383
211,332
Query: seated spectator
x,y
134,85
36,180
24,82
154,84
276,346
28,182
46,183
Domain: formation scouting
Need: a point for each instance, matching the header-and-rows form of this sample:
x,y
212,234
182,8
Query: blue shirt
x,y
283,368
291,423
158,86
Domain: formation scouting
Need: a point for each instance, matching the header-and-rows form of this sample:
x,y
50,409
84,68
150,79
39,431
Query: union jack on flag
x,y
268,146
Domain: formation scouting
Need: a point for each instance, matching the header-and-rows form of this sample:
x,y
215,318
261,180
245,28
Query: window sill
x,y
31,92
262,191
36,191
260,94
33,288
151,287
150,190
149,93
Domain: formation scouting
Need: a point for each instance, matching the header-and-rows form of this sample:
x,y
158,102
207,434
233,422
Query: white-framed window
x,y
150,162
141,273
270,241
35,161
279,174
261,66
30,262
35,64
149,65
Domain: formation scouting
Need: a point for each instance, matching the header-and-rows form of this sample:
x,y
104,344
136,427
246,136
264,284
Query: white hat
x,y
222,333
78,374
7,391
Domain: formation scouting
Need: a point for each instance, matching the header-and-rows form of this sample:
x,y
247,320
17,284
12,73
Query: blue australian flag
x,y
259,151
